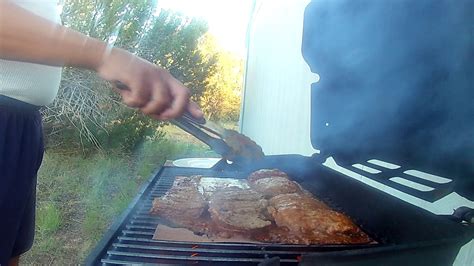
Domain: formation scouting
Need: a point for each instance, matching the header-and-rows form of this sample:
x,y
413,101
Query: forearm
x,y
27,37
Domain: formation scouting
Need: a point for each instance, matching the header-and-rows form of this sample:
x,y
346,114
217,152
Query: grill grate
x,y
133,243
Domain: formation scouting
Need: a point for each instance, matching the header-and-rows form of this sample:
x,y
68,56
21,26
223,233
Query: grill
x,y
392,223
400,97
131,240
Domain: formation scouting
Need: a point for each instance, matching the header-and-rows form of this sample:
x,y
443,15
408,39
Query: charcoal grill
x,y
440,105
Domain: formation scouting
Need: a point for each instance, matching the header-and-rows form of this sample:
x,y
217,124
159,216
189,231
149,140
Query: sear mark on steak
x,y
304,201
238,210
182,202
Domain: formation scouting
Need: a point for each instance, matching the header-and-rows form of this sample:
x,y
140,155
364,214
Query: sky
x,y
227,19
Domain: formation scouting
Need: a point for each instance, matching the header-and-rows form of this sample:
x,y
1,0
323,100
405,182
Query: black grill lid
x,y
396,83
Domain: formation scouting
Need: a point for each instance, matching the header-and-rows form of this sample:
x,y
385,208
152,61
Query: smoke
x,y
396,80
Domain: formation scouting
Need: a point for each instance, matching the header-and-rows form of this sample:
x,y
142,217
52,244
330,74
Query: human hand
x,y
146,86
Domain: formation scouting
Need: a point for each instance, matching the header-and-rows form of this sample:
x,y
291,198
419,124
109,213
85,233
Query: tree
x,y
221,98
86,111
173,43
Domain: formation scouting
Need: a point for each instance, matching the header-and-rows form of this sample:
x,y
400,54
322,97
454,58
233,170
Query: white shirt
x,y
32,83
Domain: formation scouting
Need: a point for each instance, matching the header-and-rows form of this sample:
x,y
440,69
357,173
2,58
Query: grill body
x,y
405,234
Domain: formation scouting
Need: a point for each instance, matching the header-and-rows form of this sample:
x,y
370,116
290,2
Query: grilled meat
x,y
264,173
310,221
183,202
238,210
274,209
272,182
304,201
242,146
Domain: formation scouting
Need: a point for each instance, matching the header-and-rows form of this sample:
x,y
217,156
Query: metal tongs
x,y
205,131
232,145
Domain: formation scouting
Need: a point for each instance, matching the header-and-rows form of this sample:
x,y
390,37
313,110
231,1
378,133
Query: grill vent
x,y
416,183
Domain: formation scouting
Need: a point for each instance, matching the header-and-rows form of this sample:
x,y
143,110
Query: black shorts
x,y
21,152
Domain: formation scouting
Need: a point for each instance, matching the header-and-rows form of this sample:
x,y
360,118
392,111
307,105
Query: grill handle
x,y
463,215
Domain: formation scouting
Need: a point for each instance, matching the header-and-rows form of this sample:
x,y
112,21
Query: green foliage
x,y
87,115
48,218
172,43
109,189
127,131
221,99
108,20
78,197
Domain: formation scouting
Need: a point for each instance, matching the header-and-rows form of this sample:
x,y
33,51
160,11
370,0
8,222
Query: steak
x,y
273,209
182,202
239,210
272,182
311,221
264,173
304,201
242,146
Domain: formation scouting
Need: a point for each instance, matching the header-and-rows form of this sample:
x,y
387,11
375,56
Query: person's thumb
x,y
194,109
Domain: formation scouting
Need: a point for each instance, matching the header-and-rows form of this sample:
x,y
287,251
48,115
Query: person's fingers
x,y
180,98
159,101
194,109
136,98
191,106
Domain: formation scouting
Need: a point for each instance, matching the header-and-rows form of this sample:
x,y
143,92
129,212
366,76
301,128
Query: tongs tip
x,y
228,143
196,120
